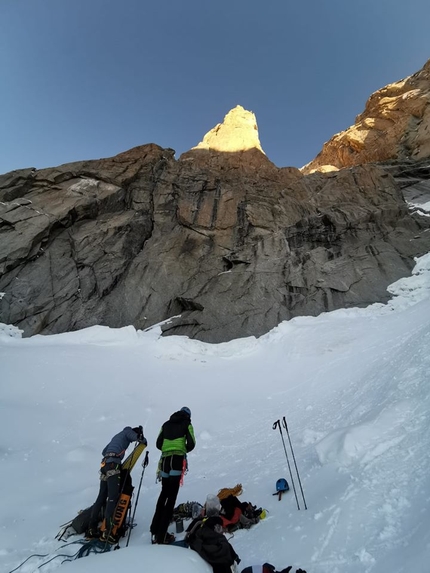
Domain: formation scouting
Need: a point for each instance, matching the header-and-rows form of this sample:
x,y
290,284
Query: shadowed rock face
x,y
225,243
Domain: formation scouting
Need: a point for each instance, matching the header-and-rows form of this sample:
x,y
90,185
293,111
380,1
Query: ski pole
x,y
284,422
275,425
144,464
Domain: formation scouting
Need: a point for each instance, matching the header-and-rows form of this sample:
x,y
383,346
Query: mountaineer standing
x,y
175,440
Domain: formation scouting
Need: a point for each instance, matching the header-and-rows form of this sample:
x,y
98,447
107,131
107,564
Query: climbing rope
x,y
226,491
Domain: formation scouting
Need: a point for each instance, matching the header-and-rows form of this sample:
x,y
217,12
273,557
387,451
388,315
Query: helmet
x,y
186,410
212,505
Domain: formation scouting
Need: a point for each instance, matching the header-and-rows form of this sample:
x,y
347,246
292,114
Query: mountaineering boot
x,y
92,534
105,538
168,538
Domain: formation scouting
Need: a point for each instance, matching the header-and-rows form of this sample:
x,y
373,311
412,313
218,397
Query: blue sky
x,y
83,79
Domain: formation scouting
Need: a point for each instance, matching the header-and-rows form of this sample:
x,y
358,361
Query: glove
x,y
300,571
139,431
144,441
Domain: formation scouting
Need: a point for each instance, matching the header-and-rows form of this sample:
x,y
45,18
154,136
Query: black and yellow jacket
x,y
176,436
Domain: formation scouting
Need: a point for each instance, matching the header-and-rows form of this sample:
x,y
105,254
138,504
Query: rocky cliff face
x,y
394,125
221,242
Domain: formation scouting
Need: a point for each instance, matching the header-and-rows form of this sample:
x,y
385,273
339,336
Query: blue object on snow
x,y
180,543
282,485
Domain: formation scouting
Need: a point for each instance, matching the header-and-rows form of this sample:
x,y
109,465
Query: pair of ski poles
x,y
277,424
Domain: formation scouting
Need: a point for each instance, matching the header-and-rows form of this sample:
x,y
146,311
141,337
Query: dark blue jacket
x,y
118,445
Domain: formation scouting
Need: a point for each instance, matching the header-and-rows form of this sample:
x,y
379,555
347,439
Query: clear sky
x,y
83,79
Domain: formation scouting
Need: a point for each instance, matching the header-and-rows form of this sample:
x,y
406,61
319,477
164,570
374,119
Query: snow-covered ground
x,y
354,386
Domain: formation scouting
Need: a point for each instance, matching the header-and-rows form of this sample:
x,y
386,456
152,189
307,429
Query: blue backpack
x,y
281,487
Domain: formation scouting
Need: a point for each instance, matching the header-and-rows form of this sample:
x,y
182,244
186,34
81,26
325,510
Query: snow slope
x,y
353,385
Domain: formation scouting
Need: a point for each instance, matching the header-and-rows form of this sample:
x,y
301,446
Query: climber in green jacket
x,y
175,440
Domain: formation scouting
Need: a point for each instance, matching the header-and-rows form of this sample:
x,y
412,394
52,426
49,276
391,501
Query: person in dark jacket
x,y
110,479
206,538
175,440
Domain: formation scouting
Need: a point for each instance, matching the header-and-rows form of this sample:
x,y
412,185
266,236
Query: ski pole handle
x,y
276,424
146,460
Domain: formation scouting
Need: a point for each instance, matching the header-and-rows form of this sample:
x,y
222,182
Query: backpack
x,y
81,522
282,485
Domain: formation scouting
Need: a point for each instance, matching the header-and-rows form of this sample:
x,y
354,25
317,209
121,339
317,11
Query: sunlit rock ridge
x,y
394,125
217,244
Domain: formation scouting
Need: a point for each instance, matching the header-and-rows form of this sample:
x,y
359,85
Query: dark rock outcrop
x,y
224,243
